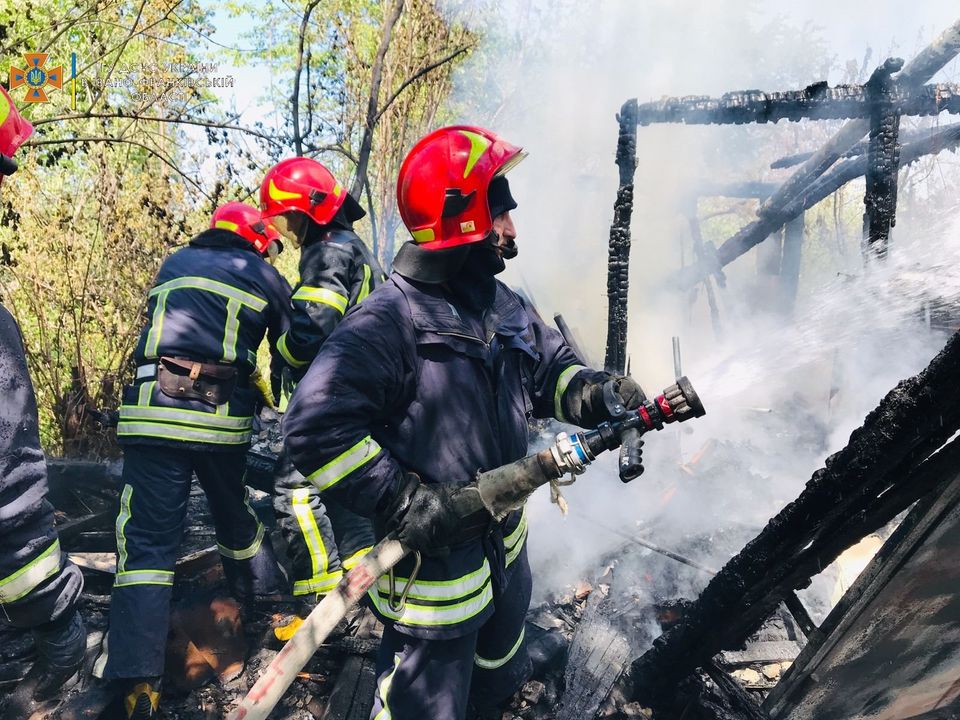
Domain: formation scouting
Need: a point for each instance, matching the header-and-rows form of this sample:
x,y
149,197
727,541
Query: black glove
x,y
422,516
584,402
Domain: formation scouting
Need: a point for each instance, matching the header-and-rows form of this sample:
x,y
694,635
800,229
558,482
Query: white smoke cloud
x,y
551,76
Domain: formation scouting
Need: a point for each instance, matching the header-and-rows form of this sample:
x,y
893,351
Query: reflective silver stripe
x,y
230,331
156,325
311,532
345,463
201,283
287,355
146,392
442,590
122,519
247,552
146,371
499,662
322,295
23,581
426,615
144,577
180,432
192,417
319,584
562,382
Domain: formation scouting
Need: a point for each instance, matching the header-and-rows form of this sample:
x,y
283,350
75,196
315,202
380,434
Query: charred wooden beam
x,y
883,160
816,102
618,271
918,71
886,466
861,148
760,229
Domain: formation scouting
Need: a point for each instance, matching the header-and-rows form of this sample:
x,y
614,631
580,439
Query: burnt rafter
x,y
816,102
883,159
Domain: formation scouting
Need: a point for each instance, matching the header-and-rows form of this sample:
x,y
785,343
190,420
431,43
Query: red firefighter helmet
x,y
303,185
443,182
245,221
14,130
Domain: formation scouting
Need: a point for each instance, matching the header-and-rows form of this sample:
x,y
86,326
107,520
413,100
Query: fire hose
x,y
495,494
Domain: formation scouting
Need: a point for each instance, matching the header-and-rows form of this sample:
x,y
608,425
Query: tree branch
x,y
376,77
152,118
419,74
295,97
156,153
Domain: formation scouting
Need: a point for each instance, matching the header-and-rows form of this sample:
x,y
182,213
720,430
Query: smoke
x,y
782,390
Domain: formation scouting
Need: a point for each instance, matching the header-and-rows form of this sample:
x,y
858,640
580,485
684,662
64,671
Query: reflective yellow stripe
x,y
192,282
311,533
144,577
432,615
384,688
122,519
562,382
287,355
191,417
156,326
351,561
317,585
510,540
365,285
180,432
478,146
276,193
322,295
146,392
514,552
227,225
230,331
499,662
20,583
441,590
344,464
251,549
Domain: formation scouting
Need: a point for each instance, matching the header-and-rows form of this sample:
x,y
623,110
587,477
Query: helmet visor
x,y
291,225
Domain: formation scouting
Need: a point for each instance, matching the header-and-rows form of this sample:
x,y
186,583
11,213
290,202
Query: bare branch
x,y
376,77
295,97
152,118
419,74
153,151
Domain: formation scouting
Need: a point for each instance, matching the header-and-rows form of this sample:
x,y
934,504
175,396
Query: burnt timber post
x,y
618,268
883,160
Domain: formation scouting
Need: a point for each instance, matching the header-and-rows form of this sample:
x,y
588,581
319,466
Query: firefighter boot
x,y
141,698
60,649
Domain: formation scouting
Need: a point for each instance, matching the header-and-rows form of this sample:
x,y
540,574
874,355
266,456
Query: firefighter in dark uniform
x,y
39,587
337,271
431,380
190,410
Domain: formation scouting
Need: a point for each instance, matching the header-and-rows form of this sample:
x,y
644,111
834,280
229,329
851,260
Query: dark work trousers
x,y
153,506
323,538
435,679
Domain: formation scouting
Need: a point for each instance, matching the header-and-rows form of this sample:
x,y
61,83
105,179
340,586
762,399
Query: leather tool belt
x,y
211,383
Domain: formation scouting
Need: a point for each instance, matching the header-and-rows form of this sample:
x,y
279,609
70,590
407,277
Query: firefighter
x,y
190,410
337,271
431,380
39,587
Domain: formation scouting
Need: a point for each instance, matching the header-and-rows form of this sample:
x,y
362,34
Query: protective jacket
x,y
37,583
337,271
212,302
413,381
